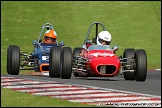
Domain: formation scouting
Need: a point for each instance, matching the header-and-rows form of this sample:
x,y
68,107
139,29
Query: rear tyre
x,y
128,53
54,62
13,60
77,50
141,65
66,63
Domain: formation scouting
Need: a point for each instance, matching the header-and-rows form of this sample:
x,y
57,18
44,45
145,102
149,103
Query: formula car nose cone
x,y
109,66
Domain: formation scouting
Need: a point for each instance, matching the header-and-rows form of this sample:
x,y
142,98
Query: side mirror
x,y
34,42
62,43
115,48
84,46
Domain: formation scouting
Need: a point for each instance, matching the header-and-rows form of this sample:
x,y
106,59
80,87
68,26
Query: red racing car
x,y
100,61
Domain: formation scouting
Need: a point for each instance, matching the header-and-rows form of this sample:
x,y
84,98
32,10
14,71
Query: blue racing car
x,y
38,60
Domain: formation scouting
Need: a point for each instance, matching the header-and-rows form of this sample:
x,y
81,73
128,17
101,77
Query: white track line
x,y
77,93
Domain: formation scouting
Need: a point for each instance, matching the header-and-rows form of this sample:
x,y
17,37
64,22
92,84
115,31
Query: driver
x,y
103,38
50,37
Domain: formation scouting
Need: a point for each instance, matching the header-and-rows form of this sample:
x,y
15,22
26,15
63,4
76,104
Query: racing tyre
x,y
13,60
66,62
77,50
54,62
9,58
141,65
128,53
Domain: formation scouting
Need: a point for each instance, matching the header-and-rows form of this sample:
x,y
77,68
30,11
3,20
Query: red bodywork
x,y
102,63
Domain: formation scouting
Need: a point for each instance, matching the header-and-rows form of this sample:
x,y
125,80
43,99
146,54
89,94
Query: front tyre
x,y
128,53
141,65
66,62
14,59
54,62
9,58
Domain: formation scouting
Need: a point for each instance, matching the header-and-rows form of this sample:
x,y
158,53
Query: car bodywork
x,y
102,61
98,60
37,60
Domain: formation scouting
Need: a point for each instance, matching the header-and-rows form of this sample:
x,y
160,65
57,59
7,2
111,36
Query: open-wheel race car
x,y
98,60
102,61
38,60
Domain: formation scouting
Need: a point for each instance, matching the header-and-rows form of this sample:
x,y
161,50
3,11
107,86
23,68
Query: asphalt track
x,y
152,84
104,89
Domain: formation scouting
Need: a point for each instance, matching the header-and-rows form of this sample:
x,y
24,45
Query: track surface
x,y
93,90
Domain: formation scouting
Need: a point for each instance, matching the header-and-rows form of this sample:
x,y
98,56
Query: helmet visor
x,y
48,39
103,41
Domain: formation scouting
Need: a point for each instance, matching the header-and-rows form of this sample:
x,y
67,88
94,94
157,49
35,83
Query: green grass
x,y
132,24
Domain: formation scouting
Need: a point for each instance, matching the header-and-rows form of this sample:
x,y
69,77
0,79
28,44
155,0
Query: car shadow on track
x,y
95,78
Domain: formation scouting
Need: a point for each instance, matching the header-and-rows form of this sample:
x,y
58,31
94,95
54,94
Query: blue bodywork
x,y
41,55
42,52
39,58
